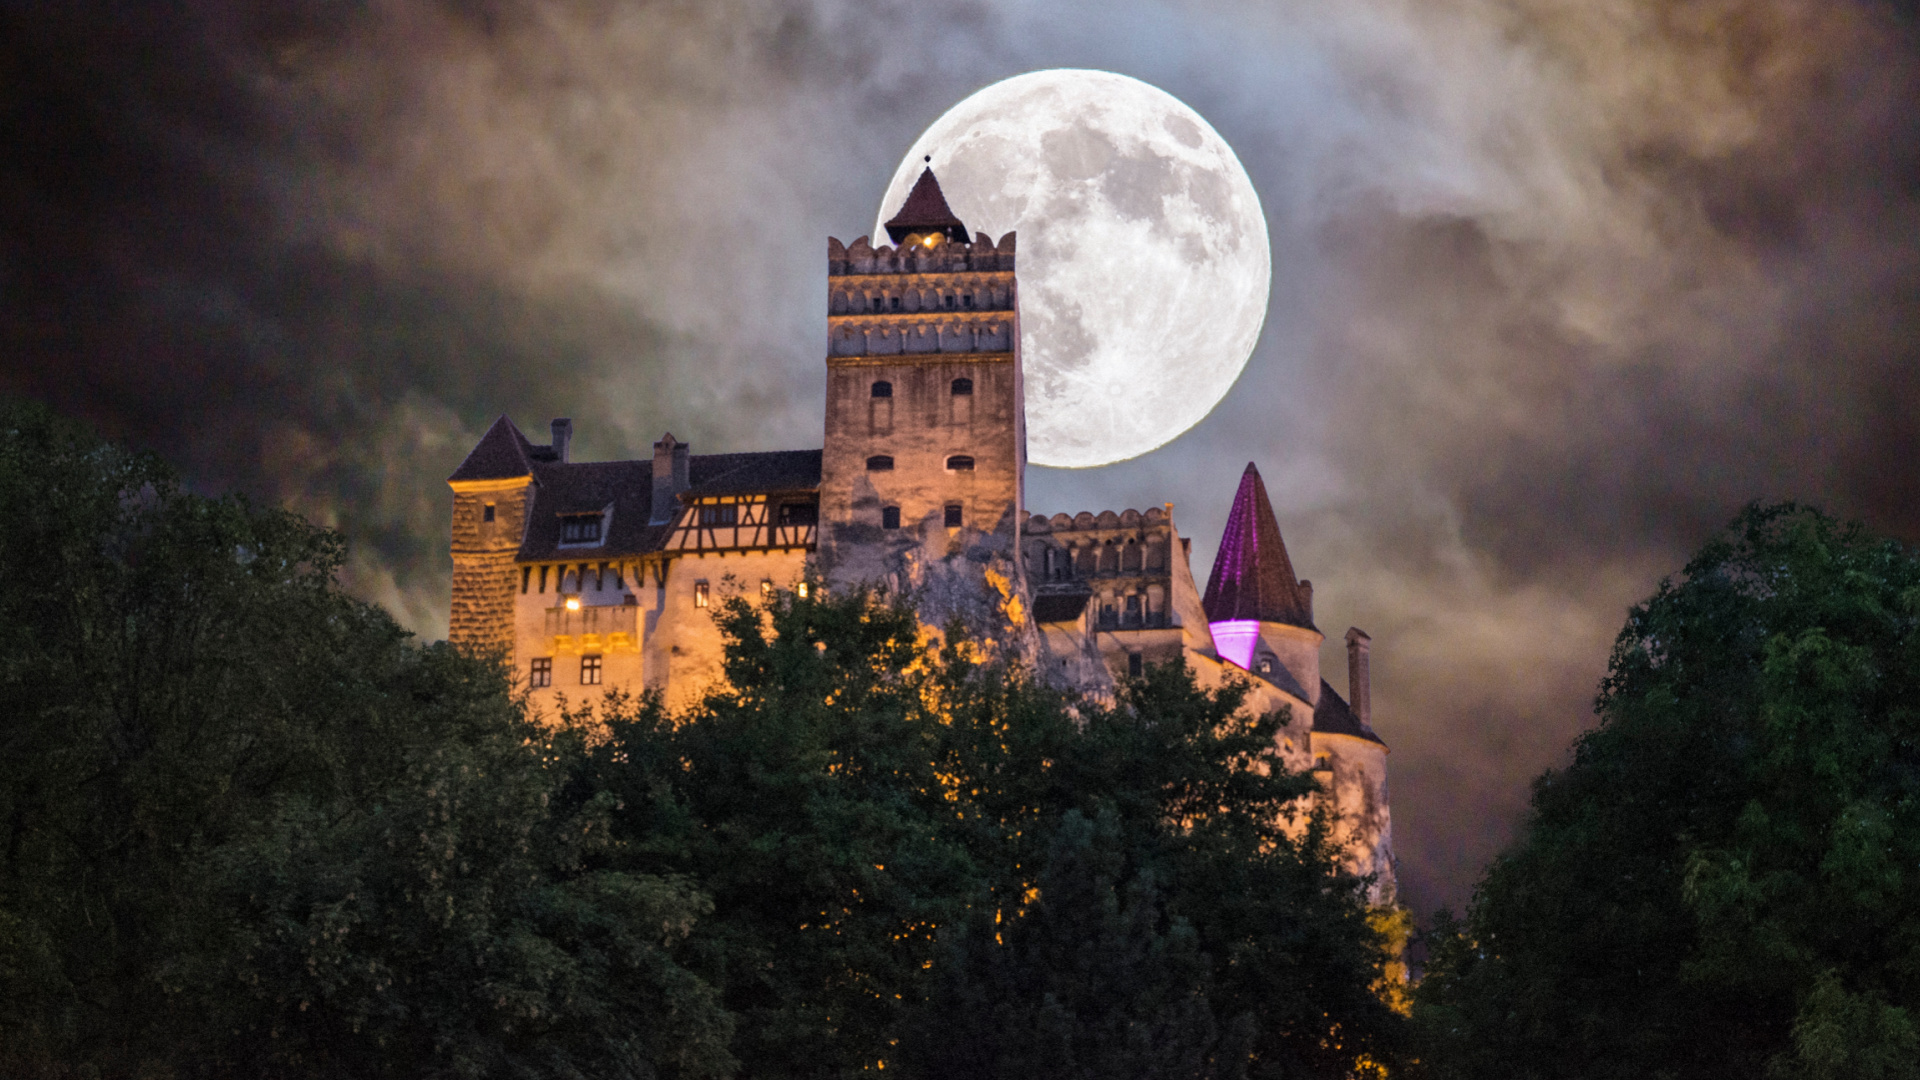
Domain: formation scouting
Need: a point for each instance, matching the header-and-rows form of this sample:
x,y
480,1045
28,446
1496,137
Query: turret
x,y
491,492
1261,616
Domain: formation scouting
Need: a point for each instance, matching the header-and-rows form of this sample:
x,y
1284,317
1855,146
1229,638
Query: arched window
x,y
879,463
883,388
959,463
962,387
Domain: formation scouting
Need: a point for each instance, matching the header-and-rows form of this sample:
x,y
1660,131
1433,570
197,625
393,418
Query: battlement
x,y
931,255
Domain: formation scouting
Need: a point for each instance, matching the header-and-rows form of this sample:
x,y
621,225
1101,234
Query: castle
x,y
592,575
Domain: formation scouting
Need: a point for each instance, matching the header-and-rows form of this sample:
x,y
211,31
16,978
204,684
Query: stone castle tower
x,y
593,575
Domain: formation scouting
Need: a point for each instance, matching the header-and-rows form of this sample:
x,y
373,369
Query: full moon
x,y
1144,265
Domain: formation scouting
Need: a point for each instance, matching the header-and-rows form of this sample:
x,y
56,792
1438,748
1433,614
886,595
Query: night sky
x,y
1558,284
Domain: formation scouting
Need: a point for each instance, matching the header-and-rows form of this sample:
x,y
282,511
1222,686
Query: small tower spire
x,y
926,212
1252,577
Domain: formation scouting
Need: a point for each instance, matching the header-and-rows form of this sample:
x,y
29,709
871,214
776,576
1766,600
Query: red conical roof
x,y
926,211
1252,577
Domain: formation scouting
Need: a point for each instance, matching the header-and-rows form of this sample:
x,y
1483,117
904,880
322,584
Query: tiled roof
x,y
1284,679
501,454
926,211
589,487
1333,716
1252,577
754,474
1059,607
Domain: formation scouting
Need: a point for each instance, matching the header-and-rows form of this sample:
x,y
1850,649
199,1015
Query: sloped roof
x,y
501,454
754,474
1252,577
926,211
1333,716
589,487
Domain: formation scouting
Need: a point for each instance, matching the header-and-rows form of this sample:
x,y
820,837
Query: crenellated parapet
x,y
929,295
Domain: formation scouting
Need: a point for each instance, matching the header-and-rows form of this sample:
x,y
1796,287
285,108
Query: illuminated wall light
x,y
1235,640
573,603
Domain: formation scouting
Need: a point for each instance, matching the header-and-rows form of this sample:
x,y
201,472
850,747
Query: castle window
x,y
580,529
962,387
541,673
878,303
1265,666
949,299
883,388
720,516
896,303
953,515
1133,609
799,513
590,671
959,463
890,517
700,594
486,512
879,463
1136,666
967,300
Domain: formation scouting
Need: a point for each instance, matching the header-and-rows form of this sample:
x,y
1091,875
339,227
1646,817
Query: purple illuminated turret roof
x,y
1252,576
926,211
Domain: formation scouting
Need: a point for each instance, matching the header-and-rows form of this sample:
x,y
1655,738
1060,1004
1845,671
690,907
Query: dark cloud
x,y
1557,287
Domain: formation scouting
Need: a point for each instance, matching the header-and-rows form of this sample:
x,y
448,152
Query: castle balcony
x,y
605,628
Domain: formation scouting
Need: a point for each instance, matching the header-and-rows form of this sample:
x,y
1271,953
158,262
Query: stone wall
x,y
484,577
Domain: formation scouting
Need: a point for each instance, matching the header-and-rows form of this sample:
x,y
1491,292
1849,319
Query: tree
x,y
1722,883
249,827
860,806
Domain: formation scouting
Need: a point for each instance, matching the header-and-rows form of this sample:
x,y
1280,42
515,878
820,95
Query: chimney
x,y
1359,681
562,435
671,459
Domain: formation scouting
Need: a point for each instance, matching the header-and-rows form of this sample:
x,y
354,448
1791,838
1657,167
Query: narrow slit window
x,y
960,463
882,388
486,512
879,463
890,517
701,596
962,387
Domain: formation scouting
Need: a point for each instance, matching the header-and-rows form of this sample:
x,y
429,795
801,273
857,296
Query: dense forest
x,y
251,827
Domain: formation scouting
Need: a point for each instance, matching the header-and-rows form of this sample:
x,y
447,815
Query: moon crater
x,y
1144,258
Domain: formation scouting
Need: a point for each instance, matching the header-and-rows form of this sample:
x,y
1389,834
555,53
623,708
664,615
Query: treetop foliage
x,y
1723,881
249,827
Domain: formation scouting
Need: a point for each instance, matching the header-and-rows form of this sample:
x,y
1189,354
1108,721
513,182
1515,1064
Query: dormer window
x,y
959,463
580,528
1265,666
880,463
883,388
962,387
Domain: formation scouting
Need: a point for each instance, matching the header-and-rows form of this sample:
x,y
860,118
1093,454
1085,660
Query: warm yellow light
x,y
802,590
573,603
932,239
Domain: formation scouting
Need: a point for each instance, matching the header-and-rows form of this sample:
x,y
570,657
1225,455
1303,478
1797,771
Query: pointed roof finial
x,y
926,212
1252,577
